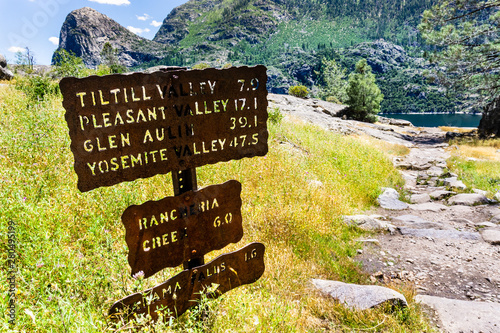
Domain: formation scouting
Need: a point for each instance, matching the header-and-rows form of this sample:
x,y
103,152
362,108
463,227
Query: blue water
x,y
435,120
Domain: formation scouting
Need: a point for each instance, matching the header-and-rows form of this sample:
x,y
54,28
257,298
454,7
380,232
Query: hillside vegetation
x,y
72,256
291,38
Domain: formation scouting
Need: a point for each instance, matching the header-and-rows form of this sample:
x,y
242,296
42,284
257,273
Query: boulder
x,y
360,297
490,122
5,74
3,61
390,200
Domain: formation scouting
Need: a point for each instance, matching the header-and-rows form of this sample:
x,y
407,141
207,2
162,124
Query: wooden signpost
x,y
171,231
125,127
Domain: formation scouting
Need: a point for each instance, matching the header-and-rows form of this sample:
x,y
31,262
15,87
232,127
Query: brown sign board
x,y
181,292
173,230
129,126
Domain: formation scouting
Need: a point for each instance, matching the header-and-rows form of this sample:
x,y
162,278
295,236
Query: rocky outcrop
x,y
382,56
490,122
85,31
231,22
5,73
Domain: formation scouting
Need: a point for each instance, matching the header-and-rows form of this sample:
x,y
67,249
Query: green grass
x,y
477,163
72,255
483,175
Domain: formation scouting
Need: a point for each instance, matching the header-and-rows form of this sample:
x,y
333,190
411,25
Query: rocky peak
x,y
85,31
382,56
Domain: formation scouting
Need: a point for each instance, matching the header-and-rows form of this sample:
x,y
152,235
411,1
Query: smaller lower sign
x,y
173,230
178,294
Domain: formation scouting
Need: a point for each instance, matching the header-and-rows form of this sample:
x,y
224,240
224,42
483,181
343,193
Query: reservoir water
x,y
435,120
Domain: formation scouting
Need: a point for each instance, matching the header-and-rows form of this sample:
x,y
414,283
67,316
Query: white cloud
x,y
15,49
112,2
137,31
155,23
144,17
54,40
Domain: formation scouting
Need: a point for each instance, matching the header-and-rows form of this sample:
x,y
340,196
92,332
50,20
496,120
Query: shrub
x,y
275,116
201,65
36,87
333,99
68,64
298,91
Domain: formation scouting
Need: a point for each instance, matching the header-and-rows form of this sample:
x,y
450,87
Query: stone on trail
x,y
485,225
468,199
439,234
435,171
495,219
453,182
464,316
390,200
365,222
430,206
497,196
416,222
440,194
360,297
420,198
491,236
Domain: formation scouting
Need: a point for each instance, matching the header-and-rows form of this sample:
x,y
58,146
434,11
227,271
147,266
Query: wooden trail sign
x,y
173,230
184,290
129,126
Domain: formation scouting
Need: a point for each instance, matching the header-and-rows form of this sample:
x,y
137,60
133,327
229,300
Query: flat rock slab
x,y
408,219
430,206
416,222
390,200
440,194
420,198
359,297
367,222
468,199
439,234
491,236
464,316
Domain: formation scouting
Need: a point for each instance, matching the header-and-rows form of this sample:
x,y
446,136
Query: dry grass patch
x,y
72,261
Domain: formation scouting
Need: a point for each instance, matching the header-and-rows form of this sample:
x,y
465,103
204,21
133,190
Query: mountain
x,y
85,31
289,37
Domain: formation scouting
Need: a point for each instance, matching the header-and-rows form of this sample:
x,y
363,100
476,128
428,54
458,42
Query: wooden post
x,y
185,181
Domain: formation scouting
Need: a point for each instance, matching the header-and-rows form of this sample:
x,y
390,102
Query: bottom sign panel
x,y
174,297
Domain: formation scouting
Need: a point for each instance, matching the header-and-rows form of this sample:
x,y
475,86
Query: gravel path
x,y
448,245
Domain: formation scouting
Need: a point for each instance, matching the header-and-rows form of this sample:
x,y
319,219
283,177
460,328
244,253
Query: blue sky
x,y
36,23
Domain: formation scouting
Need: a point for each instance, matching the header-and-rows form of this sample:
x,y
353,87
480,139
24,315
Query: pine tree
x,y
467,35
334,78
363,94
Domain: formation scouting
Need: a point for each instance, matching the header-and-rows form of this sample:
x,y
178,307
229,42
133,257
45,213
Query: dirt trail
x,y
446,249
